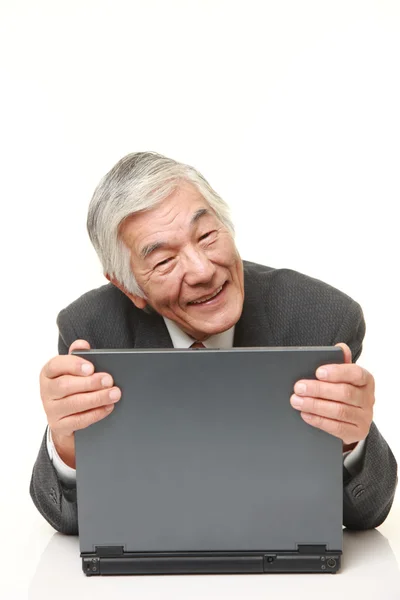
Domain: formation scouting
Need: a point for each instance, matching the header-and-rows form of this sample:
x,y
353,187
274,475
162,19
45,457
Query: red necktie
x,y
197,345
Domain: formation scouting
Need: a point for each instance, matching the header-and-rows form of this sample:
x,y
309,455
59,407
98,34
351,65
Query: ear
x,y
138,301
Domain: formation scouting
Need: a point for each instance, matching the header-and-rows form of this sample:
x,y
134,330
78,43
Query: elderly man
x,y
165,240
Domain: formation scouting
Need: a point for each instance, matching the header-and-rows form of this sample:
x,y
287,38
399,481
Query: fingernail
x,y
296,401
114,395
87,369
106,381
109,407
300,388
322,373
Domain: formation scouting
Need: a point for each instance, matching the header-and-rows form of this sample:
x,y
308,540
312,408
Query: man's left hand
x,y
339,402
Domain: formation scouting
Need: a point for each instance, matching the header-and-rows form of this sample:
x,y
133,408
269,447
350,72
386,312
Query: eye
x,y
205,235
163,262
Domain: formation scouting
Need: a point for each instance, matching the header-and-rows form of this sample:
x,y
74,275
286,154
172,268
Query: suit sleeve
x,y
368,495
55,500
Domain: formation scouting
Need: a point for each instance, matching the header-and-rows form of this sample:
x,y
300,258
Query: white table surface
x,y
39,564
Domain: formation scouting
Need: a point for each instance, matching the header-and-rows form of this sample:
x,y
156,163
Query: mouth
x,y
210,298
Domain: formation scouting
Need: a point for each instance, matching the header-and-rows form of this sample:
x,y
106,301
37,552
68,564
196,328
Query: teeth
x,y
208,297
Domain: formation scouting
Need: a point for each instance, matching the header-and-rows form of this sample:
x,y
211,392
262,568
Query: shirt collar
x,y
180,339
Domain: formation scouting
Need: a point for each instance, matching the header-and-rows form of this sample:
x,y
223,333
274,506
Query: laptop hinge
x,y
308,558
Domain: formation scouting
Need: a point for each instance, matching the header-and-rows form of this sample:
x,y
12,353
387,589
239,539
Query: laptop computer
x,y
204,466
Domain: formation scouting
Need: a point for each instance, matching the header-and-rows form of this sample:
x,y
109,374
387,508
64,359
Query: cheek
x,y
164,294
225,252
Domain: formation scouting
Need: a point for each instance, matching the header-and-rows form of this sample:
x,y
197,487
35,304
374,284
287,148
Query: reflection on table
x,y
369,570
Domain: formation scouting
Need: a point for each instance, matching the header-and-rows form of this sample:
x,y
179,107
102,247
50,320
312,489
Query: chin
x,y
221,326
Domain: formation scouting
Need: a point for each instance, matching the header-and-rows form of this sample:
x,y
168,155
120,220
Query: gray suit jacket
x,y
281,308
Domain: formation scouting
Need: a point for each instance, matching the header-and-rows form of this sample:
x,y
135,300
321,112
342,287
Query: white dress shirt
x,y
180,339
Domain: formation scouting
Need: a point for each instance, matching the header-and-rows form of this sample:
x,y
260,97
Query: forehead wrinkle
x,y
152,247
157,245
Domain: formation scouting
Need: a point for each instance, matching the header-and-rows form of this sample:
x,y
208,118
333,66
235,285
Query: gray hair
x,y
136,183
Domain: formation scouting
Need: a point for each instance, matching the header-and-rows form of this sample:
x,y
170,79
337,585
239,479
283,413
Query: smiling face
x,y
186,263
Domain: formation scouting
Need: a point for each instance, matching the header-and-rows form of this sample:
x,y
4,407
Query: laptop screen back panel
x,y
205,453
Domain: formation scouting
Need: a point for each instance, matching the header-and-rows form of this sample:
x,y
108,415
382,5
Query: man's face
x,y
186,263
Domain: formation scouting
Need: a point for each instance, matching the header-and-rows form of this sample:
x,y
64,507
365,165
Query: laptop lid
x,y
204,453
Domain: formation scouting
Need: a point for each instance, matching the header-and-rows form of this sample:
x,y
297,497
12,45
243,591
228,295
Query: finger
x,y
324,408
345,373
340,392
68,385
84,419
346,352
67,365
79,345
81,403
345,431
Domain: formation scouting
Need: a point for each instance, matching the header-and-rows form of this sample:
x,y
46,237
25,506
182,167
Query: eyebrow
x,y
147,250
198,214
150,248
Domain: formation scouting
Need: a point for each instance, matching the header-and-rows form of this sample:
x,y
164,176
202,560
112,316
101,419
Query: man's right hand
x,y
74,397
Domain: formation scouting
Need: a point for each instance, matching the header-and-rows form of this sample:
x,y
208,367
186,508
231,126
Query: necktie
x,y
197,345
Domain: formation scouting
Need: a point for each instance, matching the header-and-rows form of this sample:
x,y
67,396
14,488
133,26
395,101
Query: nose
x,y
198,268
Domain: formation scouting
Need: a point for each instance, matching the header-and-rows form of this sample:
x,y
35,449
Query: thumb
x,y
346,352
79,345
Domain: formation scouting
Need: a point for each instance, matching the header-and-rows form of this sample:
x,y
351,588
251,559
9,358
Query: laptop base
x,y
114,561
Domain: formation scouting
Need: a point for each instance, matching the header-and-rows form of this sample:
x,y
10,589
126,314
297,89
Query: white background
x,y
290,109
